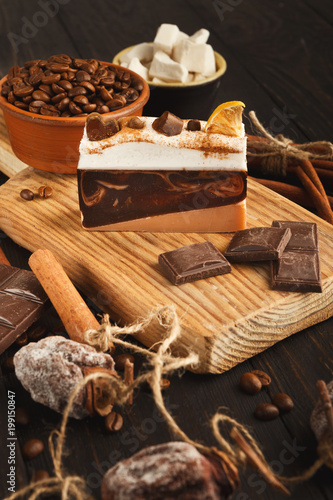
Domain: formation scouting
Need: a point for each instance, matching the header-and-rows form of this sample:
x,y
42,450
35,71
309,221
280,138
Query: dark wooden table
x,y
279,64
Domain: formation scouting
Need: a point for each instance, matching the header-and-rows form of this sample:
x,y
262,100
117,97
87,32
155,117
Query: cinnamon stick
x,y
73,311
3,258
321,203
256,462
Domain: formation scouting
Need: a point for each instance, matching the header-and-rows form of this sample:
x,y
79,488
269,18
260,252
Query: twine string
x,y
72,487
276,152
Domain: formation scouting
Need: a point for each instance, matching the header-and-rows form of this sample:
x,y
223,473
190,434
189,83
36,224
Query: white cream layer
x,y
139,149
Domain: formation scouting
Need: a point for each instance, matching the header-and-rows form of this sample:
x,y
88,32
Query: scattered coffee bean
x,y
164,383
283,402
39,475
120,361
27,194
52,80
266,411
32,448
45,191
135,123
264,378
22,340
8,365
22,417
113,422
36,332
250,383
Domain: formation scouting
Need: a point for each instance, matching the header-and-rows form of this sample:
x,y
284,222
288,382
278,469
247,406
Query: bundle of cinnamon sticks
x,y
313,176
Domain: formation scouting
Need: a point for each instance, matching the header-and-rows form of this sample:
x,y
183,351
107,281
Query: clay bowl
x,y
186,100
52,143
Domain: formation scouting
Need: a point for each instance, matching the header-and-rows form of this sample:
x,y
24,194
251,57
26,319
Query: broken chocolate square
x,y
99,128
193,262
257,244
298,269
168,124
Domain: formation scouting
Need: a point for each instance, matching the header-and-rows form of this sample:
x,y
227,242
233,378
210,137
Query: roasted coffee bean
x,y
63,104
27,194
45,191
58,97
79,90
23,91
135,123
81,100
8,365
82,76
39,95
266,411
36,331
120,361
113,422
250,383
283,402
264,378
164,384
22,340
22,417
66,85
39,475
74,108
89,108
21,105
32,448
49,110
49,79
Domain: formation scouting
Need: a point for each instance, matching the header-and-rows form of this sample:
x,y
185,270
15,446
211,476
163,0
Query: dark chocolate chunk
x,y
22,301
257,244
193,262
168,124
298,269
193,125
99,128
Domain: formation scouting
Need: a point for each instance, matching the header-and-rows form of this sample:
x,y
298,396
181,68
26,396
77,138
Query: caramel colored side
x,y
224,219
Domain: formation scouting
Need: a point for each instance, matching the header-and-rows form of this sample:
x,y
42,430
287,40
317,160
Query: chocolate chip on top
x,y
193,125
168,124
99,128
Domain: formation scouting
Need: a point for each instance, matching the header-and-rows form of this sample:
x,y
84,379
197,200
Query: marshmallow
x,y
200,36
166,38
143,51
136,66
164,67
196,57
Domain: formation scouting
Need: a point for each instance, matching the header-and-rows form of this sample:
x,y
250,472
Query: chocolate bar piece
x,y
22,301
193,262
298,269
257,244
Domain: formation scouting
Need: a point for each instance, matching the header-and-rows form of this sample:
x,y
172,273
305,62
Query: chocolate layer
x,y
108,197
22,300
298,269
193,262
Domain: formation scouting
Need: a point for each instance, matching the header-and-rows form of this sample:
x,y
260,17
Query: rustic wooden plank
x,y
226,319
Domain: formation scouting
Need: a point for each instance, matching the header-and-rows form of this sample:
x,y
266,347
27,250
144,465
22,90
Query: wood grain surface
x,y
225,319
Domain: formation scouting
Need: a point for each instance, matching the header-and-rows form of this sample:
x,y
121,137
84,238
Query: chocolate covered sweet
x,y
174,471
51,368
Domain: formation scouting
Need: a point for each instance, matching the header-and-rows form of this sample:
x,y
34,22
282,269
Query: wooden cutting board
x,y
225,319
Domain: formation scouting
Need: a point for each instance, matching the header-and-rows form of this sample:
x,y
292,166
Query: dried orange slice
x,y
226,119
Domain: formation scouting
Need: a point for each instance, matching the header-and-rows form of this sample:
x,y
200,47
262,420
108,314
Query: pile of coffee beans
x,y
252,383
66,86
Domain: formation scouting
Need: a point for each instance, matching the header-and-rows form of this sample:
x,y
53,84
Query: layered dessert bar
x,y
161,175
